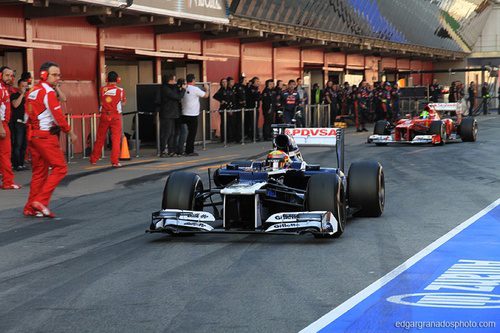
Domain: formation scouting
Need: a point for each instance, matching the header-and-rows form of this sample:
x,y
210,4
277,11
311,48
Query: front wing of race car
x,y
175,221
384,139
418,139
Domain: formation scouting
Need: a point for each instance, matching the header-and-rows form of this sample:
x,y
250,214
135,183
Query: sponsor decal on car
x,y
319,132
194,215
194,224
286,225
286,217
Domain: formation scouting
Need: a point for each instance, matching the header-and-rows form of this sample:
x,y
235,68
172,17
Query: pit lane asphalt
x,y
95,270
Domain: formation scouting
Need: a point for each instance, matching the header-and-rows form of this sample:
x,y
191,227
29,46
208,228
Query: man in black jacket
x,y
435,91
485,95
169,103
472,97
18,121
268,108
278,110
498,96
239,102
253,101
225,98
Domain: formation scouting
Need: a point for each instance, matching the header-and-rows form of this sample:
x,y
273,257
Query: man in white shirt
x,y
191,110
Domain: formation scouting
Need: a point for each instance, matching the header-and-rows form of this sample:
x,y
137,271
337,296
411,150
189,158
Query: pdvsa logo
x,y
311,132
212,4
448,300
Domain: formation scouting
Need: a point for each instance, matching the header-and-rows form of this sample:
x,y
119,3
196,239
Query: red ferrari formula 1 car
x,y
437,124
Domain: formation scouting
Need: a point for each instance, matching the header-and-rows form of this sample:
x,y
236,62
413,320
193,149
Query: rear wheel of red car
x,y
468,129
438,128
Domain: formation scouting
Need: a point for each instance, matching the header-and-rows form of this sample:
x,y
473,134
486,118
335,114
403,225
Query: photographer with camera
x,y
171,94
18,121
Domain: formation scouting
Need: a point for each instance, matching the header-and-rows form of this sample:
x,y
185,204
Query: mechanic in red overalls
x,y
45,122
112,100
6,79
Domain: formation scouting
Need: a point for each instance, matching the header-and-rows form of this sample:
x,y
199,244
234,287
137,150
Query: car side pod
x,y
316,222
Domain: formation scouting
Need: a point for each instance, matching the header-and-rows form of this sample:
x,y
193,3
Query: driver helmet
x,y
424,114
277,159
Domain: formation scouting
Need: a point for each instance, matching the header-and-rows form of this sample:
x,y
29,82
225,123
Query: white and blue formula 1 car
x,y
280,195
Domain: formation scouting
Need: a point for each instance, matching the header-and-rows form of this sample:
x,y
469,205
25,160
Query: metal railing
x,y
317,115
74,119
137,131
83,117
224,130
314,116
482,104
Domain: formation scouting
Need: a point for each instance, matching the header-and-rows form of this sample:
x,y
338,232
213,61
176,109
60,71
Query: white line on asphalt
x,y
365,293
416,151
481,119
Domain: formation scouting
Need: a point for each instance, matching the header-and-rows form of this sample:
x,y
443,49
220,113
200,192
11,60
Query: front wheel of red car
x,y
381,128
438,128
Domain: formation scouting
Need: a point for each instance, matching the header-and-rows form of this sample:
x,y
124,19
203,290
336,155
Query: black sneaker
x,y
364,130
192,154
358,130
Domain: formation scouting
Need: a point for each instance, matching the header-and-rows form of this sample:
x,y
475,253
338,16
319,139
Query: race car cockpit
x,y
277,160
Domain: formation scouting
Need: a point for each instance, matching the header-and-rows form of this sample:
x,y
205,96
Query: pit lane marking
x,y
376,286
96,167
167,165
210,166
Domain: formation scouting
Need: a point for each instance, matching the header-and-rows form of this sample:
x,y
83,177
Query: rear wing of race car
x,y
316,137
446,107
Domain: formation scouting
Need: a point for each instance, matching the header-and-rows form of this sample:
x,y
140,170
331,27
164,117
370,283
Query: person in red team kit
x,y
112,100
45,121
6,79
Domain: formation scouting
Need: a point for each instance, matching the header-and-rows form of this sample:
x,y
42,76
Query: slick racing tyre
x,y
381,128
366,188
468,129
325,193
180,191
438,127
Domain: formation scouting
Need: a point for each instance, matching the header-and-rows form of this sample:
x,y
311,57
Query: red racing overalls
x,y
5,143
44,114
111,98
